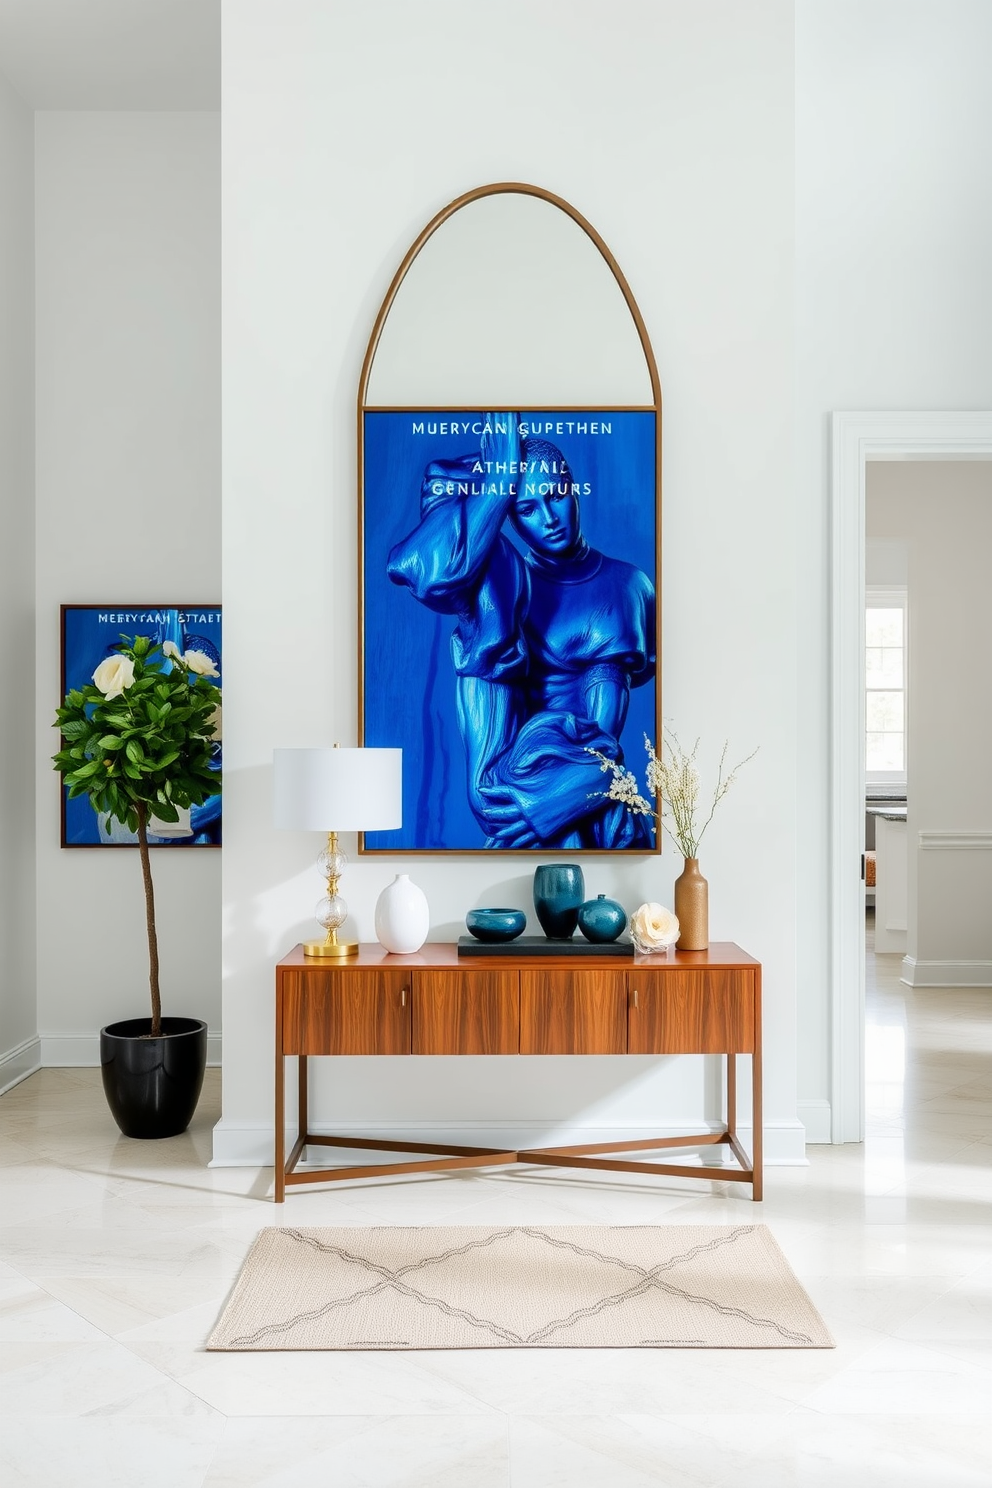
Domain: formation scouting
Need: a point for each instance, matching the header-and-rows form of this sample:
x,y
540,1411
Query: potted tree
x,y
138,741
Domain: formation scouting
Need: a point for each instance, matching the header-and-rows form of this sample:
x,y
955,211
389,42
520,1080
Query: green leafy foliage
x,y
144,751
148,747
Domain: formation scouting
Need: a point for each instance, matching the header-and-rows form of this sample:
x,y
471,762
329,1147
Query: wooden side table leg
x,y
732,1094
757,1184
756,1143
280,1123
304,1099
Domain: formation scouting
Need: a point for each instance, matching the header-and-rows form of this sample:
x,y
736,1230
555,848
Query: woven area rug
x,y
531,1286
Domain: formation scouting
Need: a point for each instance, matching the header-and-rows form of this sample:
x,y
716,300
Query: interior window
x,y
885,689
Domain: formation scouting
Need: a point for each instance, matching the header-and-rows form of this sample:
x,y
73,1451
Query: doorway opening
x,y
857,439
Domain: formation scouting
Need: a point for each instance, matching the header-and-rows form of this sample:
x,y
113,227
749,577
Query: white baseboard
x,y
82,1050
23,1060
815,1117
917,973
785,1144
240,1144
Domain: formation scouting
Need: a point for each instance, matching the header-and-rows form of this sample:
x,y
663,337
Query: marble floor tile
x,y
898,1377
598,1452
601,1382
41,1189
968,1351
13,1152
363,1452
817,1451
308,1384
884,1303
961,1314
705,1448
72,1379
116,1305
29,1314
117,1256
63,1250
115,1452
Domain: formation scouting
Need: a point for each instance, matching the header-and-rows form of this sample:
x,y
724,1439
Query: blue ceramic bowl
x,y
496,924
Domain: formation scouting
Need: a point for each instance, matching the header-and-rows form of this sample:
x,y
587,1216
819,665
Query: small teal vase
x,y
602,920
559,889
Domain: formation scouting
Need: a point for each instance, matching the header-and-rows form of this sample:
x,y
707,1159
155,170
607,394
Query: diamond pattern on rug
x,y
569,1286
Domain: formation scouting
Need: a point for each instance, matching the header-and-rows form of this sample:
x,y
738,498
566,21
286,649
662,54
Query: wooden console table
x,y
433,1002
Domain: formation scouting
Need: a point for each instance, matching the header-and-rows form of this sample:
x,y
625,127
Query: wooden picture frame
x,y
509,568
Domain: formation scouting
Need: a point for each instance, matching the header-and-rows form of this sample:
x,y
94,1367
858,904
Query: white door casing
x,y
856,439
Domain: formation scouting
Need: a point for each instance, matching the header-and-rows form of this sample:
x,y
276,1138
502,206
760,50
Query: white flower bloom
x,y
171,650
114,675
200,663
653,928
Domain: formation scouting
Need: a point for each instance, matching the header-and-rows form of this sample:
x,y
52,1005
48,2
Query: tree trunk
x,y
146,874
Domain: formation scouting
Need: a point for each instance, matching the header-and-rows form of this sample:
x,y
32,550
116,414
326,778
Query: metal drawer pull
x,y
403,998
635,997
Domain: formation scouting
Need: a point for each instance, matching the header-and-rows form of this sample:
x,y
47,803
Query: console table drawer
x,y
347,1010
691,1012
573,1012
466,1012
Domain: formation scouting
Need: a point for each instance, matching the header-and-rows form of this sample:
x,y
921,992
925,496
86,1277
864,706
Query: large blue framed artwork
x,y
90,633
509,571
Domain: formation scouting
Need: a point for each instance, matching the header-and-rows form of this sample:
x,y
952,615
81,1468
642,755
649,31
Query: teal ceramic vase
x,y
559,889
602,920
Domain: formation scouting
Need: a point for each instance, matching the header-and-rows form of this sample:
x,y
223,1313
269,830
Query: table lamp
x,y
336,790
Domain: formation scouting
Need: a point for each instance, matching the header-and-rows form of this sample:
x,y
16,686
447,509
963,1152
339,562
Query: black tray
x,y
540,945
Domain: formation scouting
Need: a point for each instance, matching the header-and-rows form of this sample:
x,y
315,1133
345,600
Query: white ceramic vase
x,y
402,916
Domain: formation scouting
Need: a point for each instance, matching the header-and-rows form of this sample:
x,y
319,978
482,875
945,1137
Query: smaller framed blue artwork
x,y
91,633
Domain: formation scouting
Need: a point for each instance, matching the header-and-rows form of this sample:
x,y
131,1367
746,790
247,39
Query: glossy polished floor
x,y
116,1256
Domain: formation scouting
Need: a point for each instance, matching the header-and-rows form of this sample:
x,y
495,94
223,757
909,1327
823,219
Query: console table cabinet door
x,y
691,1012
459,1012
573,1012
347,1011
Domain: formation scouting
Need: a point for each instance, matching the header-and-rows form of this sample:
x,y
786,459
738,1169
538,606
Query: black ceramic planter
x,y
152,1085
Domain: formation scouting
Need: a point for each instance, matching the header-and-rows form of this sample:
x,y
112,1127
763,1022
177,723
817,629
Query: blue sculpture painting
x,y
510,622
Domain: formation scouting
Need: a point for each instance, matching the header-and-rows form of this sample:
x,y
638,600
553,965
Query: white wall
x,y
670,127
893,311
18,1018
128,473
942,512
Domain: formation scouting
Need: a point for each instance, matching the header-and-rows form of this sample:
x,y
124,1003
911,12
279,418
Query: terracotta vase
x,y
692,909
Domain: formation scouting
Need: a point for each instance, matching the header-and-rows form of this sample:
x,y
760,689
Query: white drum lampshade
x,y
336,790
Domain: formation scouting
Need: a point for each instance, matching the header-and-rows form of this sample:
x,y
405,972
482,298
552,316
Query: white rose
x,y
171,650
200,663
653,928
114,675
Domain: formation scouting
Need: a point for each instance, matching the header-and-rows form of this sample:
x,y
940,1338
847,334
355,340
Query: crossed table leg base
x,y
445,1157
448,1157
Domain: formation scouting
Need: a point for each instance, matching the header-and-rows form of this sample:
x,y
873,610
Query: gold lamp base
x,y
332,911
330,947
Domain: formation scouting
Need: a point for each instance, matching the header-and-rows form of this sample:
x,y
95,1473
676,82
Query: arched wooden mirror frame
x,y
364,407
